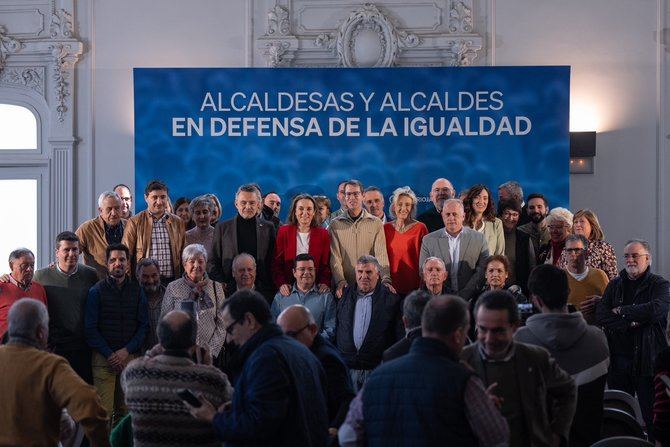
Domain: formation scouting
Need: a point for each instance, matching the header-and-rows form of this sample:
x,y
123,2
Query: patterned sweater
x,y
159,417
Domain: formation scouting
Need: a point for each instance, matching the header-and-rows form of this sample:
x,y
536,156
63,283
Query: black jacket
x,y
649,310
225,248
279,397
432,219
417,400
338,382
385,327
402,347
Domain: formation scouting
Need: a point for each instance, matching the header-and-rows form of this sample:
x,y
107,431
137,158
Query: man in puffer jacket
x,y
579,348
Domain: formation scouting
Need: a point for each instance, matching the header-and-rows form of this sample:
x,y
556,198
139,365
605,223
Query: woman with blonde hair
x,y
403,241
600,254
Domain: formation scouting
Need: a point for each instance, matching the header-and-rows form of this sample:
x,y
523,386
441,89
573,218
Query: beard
x,y
117,273
537,217
151,288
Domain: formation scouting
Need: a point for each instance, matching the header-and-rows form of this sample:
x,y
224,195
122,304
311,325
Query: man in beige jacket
x,y
97,233
352,235
157,234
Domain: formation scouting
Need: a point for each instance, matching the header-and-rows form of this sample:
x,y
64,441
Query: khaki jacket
x,y
548,394
137,237
93,244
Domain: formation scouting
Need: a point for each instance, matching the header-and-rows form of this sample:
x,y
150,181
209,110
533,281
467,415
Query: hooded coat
x,y
581,350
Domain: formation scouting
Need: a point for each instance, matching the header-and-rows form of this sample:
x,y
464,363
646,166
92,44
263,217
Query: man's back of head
x,y
28,320
412,308
446,318
177,331
548,285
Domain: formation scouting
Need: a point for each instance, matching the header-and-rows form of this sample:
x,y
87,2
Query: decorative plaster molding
x,y
352,33
462,53
8,44
62,65
460,17
275,53
370,18
278,21
325,40
61,24
27,77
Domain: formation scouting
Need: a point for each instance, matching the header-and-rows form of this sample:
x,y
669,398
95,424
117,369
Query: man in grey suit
x,y
468,247
245,233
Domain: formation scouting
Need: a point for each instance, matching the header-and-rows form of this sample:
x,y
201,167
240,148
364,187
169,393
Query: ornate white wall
x,y
617,54
38,51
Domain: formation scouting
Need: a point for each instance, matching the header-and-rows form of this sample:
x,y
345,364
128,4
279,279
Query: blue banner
x,y
304,130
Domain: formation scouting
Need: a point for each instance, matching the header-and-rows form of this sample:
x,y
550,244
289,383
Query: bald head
x,y
28,318
441,190
177,331
298,322
447,319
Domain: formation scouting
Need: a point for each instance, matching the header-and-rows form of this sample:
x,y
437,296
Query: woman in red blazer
x,y
301,235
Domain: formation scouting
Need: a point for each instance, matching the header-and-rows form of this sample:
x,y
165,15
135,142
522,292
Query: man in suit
x,y
368,321
441,191
462,249
412,309
245,233
535,395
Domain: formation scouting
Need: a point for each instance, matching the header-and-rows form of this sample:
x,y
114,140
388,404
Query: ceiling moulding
x,y
300,33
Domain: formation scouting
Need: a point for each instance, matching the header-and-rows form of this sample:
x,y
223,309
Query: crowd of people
x,y
367,324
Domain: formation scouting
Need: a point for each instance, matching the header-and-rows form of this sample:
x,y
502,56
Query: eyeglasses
x,y
229,328
574,250
556,227
294,334
634,256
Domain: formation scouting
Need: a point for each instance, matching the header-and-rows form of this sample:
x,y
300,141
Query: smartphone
x,y
189,397
525,307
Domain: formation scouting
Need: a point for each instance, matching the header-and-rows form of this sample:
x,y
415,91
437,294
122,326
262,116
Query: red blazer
x,y
284,257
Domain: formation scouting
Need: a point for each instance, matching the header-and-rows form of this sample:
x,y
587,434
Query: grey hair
x,y
644,244
145,262
404,191
304,313
434,258
19,253
368,259
25,316
249,187
560,214
459,201
236,259
107,194
413,306
199,202
514,190
578,237
193,250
